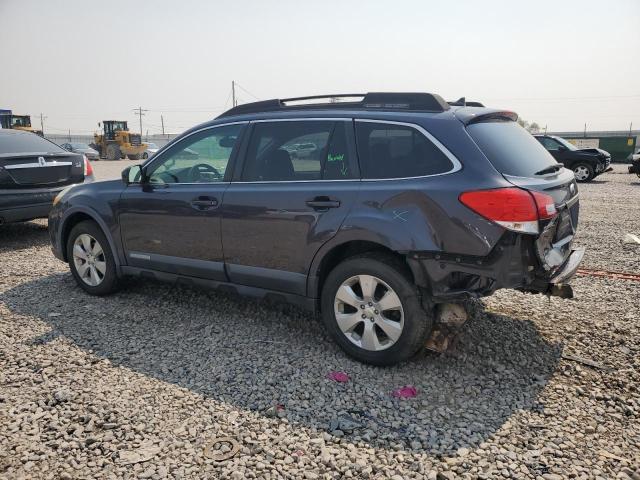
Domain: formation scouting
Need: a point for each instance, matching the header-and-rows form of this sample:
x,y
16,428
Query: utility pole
x,y
233,93
69,135
585,130
162,122
42,122
140,112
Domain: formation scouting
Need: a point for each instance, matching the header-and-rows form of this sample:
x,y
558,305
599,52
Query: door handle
x,y
204,203
323,203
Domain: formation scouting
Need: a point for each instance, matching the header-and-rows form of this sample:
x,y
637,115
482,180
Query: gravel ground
x,y
140,384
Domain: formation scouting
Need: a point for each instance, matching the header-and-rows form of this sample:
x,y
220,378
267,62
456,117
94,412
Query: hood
x,y
593,151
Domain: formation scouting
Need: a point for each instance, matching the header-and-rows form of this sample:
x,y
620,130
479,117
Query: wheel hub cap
x,y
368,312
89,260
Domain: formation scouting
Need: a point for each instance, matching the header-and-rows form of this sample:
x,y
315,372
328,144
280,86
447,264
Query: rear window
x,y
510,148
12,142
397,151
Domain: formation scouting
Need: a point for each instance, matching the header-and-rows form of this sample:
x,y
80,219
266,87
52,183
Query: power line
x,y
246,91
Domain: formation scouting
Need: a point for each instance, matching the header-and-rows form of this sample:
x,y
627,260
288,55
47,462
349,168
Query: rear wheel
x,y
373,310
91,259
145,155
583,172
113,152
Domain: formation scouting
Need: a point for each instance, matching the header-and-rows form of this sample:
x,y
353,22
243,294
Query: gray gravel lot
x,y
139,384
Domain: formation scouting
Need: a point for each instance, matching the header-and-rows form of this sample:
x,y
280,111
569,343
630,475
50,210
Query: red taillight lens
x,y
546,205
88,169
513,208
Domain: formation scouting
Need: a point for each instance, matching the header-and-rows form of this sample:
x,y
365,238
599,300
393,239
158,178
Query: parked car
x,y
407,208
634,158
33,171
83,148
151,150
586,163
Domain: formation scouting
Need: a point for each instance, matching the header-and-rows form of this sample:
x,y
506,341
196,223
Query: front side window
x,y
397,151
297,151
201,158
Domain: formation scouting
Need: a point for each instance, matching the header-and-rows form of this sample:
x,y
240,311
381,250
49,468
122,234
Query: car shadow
x,y
274,360
23,235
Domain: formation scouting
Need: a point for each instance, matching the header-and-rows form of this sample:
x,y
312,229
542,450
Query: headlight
x,y
62,193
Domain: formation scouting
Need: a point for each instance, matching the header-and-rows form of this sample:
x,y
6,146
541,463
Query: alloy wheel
x,y
369,312
89,260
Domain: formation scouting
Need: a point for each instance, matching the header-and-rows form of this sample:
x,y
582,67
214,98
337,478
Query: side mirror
x,y
132,174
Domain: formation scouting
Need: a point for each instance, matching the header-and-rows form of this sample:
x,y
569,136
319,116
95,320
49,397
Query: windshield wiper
x,y
550,169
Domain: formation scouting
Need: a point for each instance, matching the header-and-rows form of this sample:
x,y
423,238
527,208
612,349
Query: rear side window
x,y
510,148
11,142
296,151
397,151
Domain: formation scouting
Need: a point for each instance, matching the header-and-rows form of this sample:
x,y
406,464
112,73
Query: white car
x,y
151,150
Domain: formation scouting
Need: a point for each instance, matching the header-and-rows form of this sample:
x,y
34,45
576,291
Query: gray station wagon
x,y
405,207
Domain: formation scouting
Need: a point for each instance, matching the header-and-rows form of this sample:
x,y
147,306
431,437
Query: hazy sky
x,y
560,63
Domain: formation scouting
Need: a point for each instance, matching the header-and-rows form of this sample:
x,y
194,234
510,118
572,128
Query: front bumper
x,y
635,168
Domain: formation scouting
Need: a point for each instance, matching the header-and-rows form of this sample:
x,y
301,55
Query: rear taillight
x,y
88,169
513,208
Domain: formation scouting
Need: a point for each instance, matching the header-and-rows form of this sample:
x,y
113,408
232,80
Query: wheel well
x,y
75,219
350,249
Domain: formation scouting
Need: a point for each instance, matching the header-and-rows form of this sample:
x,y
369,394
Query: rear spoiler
x,y
469,116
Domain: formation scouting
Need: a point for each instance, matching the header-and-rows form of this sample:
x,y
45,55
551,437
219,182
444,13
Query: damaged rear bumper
x,y
512,264
569,268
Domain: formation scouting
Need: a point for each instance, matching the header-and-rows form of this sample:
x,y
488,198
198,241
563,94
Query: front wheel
x,y
91,259
583,172
373,311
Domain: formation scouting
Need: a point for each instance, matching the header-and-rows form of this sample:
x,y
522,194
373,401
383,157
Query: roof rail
x,y
462,102
424,102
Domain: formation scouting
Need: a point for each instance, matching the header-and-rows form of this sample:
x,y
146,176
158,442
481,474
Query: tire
x,y
113,152
411,323
134,157
145,155
103,263
583,172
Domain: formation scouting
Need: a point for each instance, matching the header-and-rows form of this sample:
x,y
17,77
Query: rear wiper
x,y
550,169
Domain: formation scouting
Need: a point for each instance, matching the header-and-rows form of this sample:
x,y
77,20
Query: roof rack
x,y
462,102
423,102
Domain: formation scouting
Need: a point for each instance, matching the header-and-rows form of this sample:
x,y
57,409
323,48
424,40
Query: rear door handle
x,y
323,203
204,203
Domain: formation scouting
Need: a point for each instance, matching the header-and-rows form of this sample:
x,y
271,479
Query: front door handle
x,y
323,203
204,203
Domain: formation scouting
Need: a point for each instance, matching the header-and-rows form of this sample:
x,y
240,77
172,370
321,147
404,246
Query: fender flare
x,y
95,216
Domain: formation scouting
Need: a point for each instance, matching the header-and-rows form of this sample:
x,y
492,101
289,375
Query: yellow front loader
x,y
115,141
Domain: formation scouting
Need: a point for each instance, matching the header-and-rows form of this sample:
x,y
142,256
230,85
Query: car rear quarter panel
x,y
425,214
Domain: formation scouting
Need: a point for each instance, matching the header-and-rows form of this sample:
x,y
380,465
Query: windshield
x,y
17,121
569,145
151,145
80,146
510,148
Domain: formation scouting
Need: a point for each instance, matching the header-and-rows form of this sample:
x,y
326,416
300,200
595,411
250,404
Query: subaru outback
x,y
406,207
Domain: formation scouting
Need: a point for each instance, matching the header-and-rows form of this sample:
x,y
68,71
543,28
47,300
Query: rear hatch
x,y
28,161
525,163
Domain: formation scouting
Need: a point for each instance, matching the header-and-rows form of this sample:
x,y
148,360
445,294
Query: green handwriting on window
x,y
335,158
